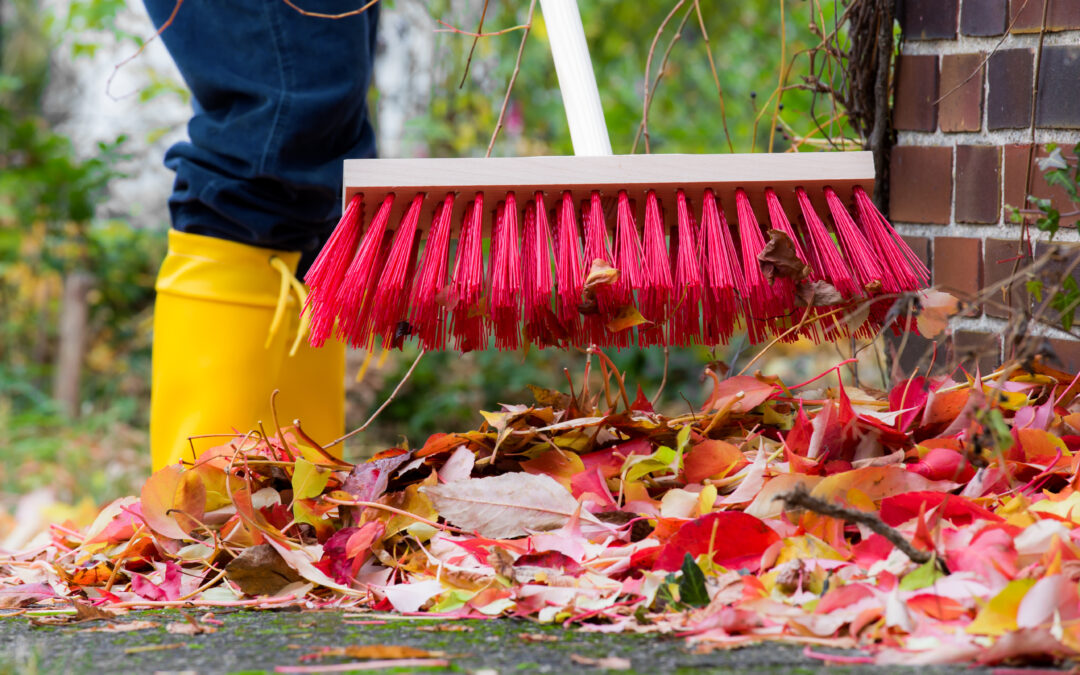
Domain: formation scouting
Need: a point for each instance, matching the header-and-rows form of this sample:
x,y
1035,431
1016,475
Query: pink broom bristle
x,y
536,273
506,277
860,255
569,268
906,271
778,220
608,299
685,328
467,317
824,256
394,285
765,302
724,283
428,308
655,301
325,275
628,257
354,299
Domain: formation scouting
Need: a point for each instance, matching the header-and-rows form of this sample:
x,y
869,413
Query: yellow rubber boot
x,y
217,360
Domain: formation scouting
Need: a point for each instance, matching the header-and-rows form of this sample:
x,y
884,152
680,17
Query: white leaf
x,y
505,506
411,597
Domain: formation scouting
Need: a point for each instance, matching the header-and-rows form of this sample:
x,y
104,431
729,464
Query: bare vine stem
x,y
389,398
513,79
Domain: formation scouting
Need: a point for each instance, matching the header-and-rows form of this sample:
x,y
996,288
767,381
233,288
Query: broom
x,y
584,273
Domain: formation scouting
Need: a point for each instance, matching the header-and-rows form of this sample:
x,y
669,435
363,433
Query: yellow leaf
x,y
600,274
626,317
308,480
998,616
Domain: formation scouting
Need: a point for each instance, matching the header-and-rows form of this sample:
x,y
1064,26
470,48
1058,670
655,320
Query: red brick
x,y
915,108
958,266
961,92
920,246
983,18
1058,100
980,351
1003,259
1009,79
921,184
1017,158
928,19
978,183
1026,16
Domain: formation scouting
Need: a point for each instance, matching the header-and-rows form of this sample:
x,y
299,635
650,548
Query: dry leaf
x,y
538,637
818,294
600,274
607,662
188,628
371,652
121,627
778,259
937,309
626,317
505,506
84,611
445,628
260,570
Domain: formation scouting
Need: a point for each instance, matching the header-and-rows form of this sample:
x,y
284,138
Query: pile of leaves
x,y
936,522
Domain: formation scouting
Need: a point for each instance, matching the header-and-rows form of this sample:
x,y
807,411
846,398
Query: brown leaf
x,y
936,309
445,628
371,652
600,274
84,611
818,294
188,628
502,562
122,627
778,259
260,570
607,662
538,637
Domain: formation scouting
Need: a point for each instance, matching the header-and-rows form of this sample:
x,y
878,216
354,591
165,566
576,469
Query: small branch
x,y
320,15
479,30
117,67
454,29
800,498
644,125
513,79
390,398
719,92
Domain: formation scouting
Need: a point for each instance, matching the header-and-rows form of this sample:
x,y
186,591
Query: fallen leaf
x,y
607,662
505,506
260,570
538,637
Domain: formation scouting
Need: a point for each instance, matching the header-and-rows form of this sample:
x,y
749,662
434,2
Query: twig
x,y
454,29
320,15
383,406
719,92
780,77
117,67
476,38
513,79
663,380
800,498
643,126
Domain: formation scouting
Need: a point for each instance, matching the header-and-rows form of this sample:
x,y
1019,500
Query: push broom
x,y
548,251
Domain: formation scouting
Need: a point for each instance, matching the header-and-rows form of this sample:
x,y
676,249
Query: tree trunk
x,y
74,320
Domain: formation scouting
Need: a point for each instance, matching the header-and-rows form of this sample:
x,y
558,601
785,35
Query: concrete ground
x,y
258,642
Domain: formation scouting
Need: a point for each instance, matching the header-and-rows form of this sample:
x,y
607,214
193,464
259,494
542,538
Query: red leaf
x,y
958,510
737,539
726,393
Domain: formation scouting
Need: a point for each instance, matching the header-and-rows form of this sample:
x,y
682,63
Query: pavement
x,y
262,641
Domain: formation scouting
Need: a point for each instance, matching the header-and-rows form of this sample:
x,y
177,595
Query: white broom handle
x,y
577,82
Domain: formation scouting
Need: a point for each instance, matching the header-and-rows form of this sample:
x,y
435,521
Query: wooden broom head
x,y
636,174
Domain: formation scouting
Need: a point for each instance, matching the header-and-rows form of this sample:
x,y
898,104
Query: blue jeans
x,y
280,101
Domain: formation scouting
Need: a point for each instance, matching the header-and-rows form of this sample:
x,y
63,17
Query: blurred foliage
x,y
48,230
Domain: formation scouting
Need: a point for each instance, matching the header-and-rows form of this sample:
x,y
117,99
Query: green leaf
x,y
1035,288
692,589
922,576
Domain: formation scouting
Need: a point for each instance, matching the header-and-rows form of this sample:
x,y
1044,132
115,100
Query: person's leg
x,y
279,101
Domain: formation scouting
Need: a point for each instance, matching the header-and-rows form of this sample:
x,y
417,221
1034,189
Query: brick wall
x,y
981,88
